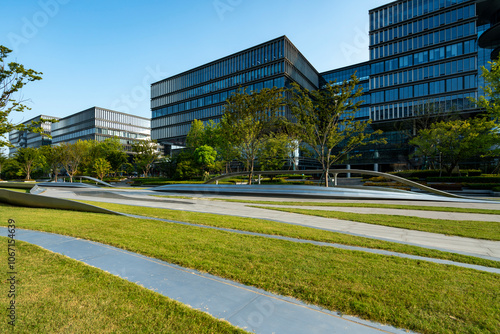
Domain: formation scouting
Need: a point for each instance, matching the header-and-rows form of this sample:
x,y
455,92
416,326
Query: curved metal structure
x,y
335,173
37,201
95,180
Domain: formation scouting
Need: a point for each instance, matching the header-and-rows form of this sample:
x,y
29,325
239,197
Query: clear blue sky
x,y
107,53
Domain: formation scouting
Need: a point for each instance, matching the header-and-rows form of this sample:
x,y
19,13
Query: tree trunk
x,y
250,175
327,173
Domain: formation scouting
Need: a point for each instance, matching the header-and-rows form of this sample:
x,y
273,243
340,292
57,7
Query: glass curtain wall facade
x,y
31,139
425,59
99,124
200,93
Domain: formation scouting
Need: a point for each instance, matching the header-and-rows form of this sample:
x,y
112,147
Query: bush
x,y
487,186
435,173
464,179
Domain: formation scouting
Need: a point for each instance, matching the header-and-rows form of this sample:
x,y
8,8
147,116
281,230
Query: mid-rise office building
x,y
201,93
425,58
98,124
25,138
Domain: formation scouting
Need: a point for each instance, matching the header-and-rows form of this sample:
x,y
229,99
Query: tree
x,y
491,101
325,120
456,141
113,151
13,77
249,120
275,152
73,156
53,159
145,155
205,157
102,167
3,162
29,159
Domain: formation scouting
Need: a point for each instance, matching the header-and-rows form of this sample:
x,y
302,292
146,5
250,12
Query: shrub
x,y
464,179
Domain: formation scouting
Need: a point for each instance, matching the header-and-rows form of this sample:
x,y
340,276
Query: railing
x,y
335,173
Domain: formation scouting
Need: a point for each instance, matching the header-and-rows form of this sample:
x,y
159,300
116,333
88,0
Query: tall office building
x,y
98,124
21,138
200,93
424,59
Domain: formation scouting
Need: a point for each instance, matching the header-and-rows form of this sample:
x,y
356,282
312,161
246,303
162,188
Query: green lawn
x,y
469,229
416,295
60,295
353,205
289,230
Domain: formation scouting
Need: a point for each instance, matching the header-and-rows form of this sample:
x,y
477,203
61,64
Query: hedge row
x,y
435,173
458,179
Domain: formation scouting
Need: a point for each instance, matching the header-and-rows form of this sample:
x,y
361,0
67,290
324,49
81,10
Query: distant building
x,y
31,139
98,124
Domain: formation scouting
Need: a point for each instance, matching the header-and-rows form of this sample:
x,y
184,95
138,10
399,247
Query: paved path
x,y
252,309
402,212
467,246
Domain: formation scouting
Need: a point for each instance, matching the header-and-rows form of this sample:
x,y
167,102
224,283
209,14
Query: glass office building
x,y
99,124
425,57
200,93
31,139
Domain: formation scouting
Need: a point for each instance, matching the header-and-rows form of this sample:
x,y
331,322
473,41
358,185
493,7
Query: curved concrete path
x,y
467,246
253,309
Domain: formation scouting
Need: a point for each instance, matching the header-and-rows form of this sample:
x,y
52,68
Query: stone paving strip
x,y
399,212
252,309
327,244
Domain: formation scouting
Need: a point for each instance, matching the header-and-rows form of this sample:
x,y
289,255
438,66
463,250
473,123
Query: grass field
x,y
416,295
469,229
289,230
352,205
58,295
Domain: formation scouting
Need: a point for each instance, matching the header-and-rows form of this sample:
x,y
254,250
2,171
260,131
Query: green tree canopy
x,y
29,159
145,154
13,77
455,141
53,159
491,100
249,120
73,156
325,119
101,167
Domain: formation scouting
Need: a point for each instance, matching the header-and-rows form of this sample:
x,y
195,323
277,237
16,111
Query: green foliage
x,y
276,150
29,159
491,102
325,120
13,77
3,162
102,167
146,154
451,142
53,159
423,174
470,179
249,120
73,156
205,156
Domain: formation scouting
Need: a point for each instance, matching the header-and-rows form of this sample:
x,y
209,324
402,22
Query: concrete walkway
x,y
467,246
401,212
253,309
